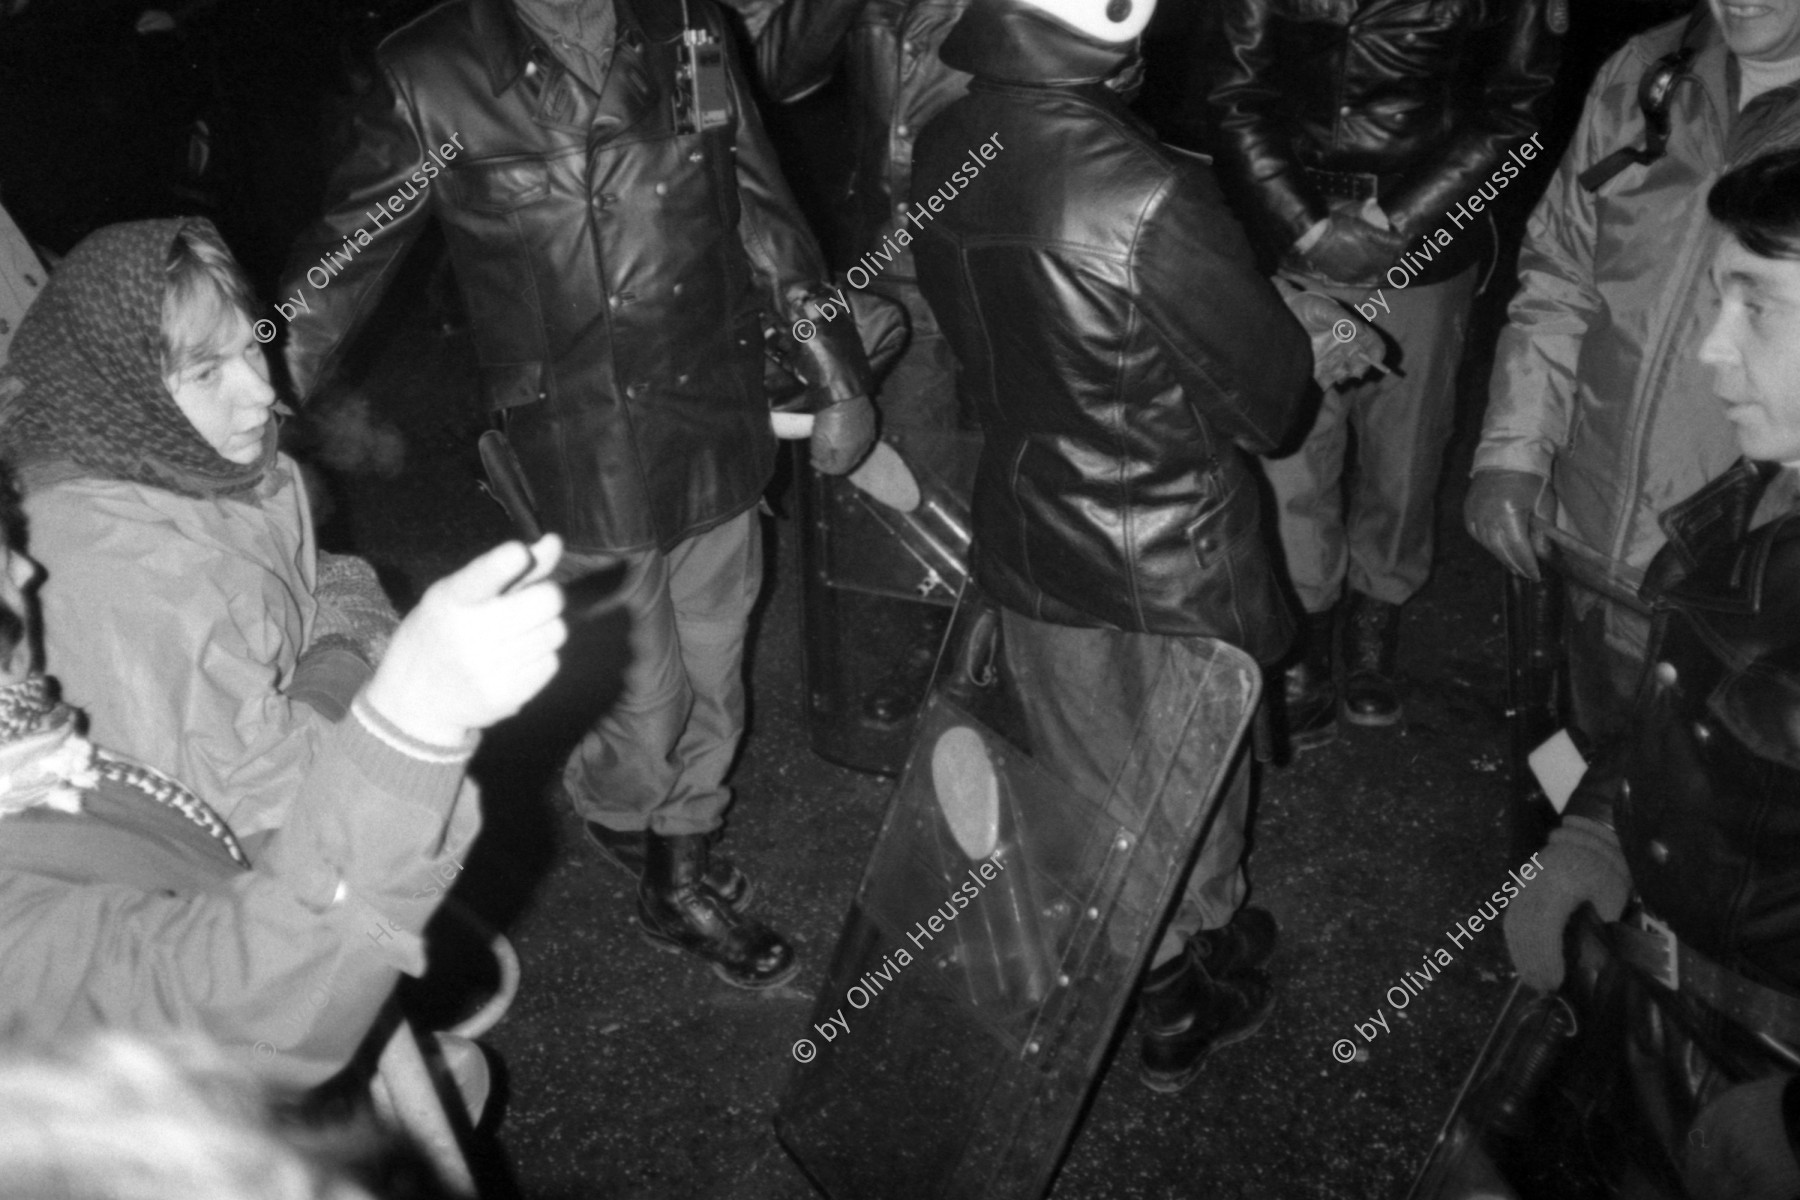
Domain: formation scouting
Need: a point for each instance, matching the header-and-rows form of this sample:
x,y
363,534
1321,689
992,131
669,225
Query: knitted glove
x,y
1739,1147
1582,865
353,606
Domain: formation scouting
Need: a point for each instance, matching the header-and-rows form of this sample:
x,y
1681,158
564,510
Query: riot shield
x,y
885,554
998,931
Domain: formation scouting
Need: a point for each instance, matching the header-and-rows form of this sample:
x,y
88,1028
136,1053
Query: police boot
x,y
1308,688
624,849
680,911
1188,1013
1371,636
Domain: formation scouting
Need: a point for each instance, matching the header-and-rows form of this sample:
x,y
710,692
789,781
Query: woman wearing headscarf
x,y
187,607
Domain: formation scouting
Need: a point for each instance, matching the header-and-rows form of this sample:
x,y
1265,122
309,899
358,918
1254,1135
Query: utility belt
x,y
1653,949
1349,185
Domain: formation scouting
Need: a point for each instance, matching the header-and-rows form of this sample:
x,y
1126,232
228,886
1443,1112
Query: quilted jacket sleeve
x,y
1531,395
286,965
182,654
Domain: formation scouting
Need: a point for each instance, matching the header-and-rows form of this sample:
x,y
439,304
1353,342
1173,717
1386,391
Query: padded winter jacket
x,y
128,915
616,269
1116,343
179,624
1597,382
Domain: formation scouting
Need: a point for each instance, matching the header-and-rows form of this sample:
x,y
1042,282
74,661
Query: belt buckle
x,y
1669,973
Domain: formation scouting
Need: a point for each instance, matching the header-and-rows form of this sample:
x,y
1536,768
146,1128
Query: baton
x,y
1593,570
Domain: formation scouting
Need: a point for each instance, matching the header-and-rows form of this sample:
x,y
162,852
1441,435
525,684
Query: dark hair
x,y
12,516
1759,203
12,528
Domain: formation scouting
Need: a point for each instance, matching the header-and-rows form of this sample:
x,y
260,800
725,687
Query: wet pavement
x,y
633,1073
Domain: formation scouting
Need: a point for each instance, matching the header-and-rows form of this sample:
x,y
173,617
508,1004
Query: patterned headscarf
x,y
83,392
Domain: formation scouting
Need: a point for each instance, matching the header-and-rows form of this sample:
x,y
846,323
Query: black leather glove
x,y
842,434
1498,514
1353,251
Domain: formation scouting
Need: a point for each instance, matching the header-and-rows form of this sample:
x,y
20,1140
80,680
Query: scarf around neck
x,y
43,760
83,392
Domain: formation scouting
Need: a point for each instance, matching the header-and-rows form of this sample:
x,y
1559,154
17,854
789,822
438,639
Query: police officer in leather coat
x,y
1349,134
1121,352
620,230
1698,809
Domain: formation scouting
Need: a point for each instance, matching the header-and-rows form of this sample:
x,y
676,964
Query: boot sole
x,y
1367,721
1165,1084
1312,739
670,946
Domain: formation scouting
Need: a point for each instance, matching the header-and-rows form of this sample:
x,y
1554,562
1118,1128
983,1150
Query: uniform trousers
x,y
657,758
1082,694
1379,536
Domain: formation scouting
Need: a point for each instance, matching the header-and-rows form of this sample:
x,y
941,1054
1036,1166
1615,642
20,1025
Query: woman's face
x,y
224,391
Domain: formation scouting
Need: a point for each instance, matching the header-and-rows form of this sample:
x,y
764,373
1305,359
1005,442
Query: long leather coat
x,y
1116,343
615,268
1705,795
1426,95
1596,373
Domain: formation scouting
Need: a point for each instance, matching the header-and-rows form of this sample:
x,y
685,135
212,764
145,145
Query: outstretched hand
x,y
481,643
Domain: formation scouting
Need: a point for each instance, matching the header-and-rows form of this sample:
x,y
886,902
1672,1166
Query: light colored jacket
x,y
1597,381
127,915
179,623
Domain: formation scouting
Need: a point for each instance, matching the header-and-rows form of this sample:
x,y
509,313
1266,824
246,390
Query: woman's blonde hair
x,y
118,1117
205,285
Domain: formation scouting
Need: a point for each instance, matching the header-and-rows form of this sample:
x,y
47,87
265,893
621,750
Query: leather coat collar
x,y
1697,572
1010,43
508,47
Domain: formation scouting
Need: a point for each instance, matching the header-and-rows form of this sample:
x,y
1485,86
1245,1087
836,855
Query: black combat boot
x,y
624,849
1247,941
1308,687
1188,1013
1371,635
679,911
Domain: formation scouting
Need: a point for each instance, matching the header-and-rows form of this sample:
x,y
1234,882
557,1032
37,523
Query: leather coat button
x,y
1666,674
1702,732
662,189
1659,852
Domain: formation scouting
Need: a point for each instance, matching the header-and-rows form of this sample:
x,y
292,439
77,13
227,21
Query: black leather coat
x,y
1426,95
902,84
1116,344
1705,795
614,267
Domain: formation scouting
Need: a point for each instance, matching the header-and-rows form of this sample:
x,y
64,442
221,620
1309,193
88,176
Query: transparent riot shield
x,y
999,929
885,552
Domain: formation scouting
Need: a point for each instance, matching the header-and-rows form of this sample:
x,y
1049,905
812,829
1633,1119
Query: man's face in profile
x,y
1754,350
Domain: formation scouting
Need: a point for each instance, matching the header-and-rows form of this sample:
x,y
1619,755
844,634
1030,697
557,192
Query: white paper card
x,y
1558,766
